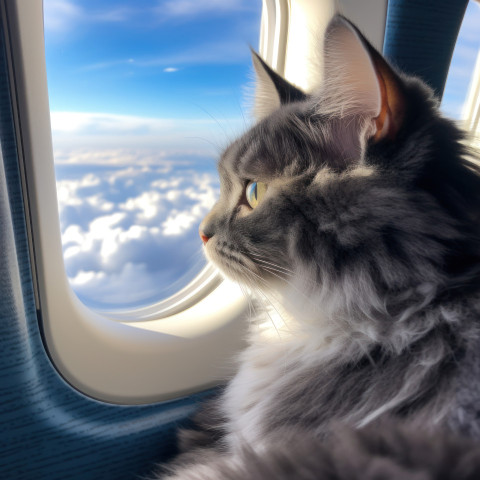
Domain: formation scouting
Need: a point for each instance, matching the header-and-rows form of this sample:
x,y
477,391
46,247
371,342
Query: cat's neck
x,y
346,327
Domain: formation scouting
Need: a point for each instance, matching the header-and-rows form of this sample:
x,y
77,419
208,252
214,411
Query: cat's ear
x,y
359,81
272,90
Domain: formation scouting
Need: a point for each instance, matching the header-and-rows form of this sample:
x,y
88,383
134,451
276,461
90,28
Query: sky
x,y
463,62
158,72
144,95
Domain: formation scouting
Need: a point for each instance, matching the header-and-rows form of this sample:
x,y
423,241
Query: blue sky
x,y
144,95
149,58
163,74
463,62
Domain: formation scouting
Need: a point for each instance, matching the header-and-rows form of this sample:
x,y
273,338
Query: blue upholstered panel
x,y
47,429
420,37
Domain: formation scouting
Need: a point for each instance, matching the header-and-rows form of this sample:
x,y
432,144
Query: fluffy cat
x,y
386,452
355,210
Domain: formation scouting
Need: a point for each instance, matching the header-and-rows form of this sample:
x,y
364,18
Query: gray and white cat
x,y
356,210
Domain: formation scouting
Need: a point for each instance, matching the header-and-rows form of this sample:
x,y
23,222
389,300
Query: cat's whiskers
x,y
281,269
241,274
221,125
292,286
266,298
262,259
259,259
285,324
276,269
247,297
252,313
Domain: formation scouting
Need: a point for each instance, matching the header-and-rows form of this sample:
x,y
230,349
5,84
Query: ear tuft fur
x,y
359,82
272,90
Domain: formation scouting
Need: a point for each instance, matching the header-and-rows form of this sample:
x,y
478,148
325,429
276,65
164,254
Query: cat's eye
x,y
255,191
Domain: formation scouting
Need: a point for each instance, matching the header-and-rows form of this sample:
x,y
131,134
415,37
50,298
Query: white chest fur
x,y
274,359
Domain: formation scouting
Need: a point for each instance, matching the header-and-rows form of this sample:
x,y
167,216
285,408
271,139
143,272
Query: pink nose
x,y
204,238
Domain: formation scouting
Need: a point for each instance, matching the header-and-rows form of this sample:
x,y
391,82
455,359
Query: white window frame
x,y
183,344
471,107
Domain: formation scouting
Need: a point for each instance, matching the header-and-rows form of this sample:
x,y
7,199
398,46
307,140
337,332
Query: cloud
x,y
229,51
466,53
108,64
146,204
68,190
106,123
130,233
193,8
170,69
150,285
62,16
114,15
226,52
112,157
471,20
167,135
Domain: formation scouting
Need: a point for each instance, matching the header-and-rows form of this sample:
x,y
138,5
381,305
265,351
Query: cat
x,y
355,209
391,452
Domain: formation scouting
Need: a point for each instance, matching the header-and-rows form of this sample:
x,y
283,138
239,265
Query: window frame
x,y
107,357
471,108
176,347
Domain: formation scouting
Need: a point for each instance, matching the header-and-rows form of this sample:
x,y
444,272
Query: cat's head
x,y
352,193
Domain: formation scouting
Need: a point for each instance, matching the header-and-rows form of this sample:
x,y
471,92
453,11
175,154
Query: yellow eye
x,y
255,192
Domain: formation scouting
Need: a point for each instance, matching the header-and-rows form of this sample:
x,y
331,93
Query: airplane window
x,y
143,96
457,101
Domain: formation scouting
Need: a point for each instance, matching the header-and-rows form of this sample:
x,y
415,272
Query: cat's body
x,y
380,452
367,234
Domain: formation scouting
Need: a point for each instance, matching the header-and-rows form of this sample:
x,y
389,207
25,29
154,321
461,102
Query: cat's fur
x,y
368,237
383,452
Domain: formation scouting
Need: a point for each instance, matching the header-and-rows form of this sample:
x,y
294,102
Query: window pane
x,y
460,75
143,97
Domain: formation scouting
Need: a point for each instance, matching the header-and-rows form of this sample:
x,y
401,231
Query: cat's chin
x,y
233,264
241,276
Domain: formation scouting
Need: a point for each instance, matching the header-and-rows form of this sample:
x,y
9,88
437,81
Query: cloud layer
x,y
130,232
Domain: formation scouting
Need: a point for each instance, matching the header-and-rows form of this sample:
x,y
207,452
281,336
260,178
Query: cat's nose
x,y
207,228
205,238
